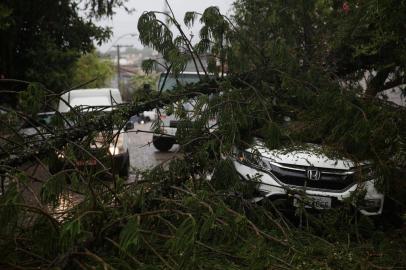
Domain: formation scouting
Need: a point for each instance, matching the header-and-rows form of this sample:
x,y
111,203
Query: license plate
x,y
169,131
90,162
315,202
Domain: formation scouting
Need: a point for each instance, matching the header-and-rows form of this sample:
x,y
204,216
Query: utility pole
x,y
118,63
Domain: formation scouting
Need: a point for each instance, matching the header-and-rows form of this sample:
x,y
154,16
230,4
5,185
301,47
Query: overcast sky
x,y
124,23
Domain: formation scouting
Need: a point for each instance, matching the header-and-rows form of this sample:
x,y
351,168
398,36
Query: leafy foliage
x,y
140,82
194,212
92,71
99,8
353,45
369,39
42,44
4,14
160,223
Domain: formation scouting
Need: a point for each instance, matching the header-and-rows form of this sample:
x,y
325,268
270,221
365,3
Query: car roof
x,y
89,97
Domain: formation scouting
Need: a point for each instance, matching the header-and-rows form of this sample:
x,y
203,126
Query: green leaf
x,y
189,18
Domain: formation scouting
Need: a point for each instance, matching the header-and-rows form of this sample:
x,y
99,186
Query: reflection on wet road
x,y
143,154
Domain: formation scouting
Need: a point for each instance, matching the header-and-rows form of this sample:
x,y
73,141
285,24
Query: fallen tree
x,y
173,216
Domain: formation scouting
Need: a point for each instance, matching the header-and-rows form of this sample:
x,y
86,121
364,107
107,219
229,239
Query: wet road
x,y
143,154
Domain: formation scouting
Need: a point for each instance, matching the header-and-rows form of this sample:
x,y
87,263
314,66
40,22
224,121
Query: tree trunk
x,y
306,34
377,83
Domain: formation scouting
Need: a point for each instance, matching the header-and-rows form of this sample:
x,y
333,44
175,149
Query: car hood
x,y
308,155
30,132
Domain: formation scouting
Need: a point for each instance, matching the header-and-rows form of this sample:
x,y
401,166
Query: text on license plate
x,y
315,202
90,162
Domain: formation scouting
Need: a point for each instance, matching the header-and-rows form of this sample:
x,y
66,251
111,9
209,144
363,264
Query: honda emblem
x,y
313,174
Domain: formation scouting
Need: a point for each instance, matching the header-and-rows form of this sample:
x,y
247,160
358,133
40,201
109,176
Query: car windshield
x,y
42,119
170,82
92,103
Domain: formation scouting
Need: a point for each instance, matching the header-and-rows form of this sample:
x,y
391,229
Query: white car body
x,y
100,99
87,98
166,138
92,99
310,173
150,115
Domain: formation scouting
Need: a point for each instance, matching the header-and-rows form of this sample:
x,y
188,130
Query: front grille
x,y
330,179
180,123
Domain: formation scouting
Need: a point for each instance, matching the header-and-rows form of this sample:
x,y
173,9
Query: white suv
x,y
166,138
307,177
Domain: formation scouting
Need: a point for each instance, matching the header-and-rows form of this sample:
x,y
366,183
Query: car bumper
x,y
168,131
270,186
116,163
121,162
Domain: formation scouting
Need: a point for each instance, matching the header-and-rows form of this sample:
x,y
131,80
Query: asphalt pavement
x,y
143,154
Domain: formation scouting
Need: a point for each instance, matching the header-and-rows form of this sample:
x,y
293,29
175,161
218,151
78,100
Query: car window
x,y
171,82
40,120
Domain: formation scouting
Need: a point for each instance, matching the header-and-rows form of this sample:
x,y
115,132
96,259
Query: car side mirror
x,y
128,126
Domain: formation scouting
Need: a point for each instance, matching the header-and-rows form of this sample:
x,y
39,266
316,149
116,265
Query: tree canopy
x,y
41,40
286,71
91,70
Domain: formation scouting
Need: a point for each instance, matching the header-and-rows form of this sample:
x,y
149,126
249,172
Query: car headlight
x,y
117,145
365,173
60,154
254,159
